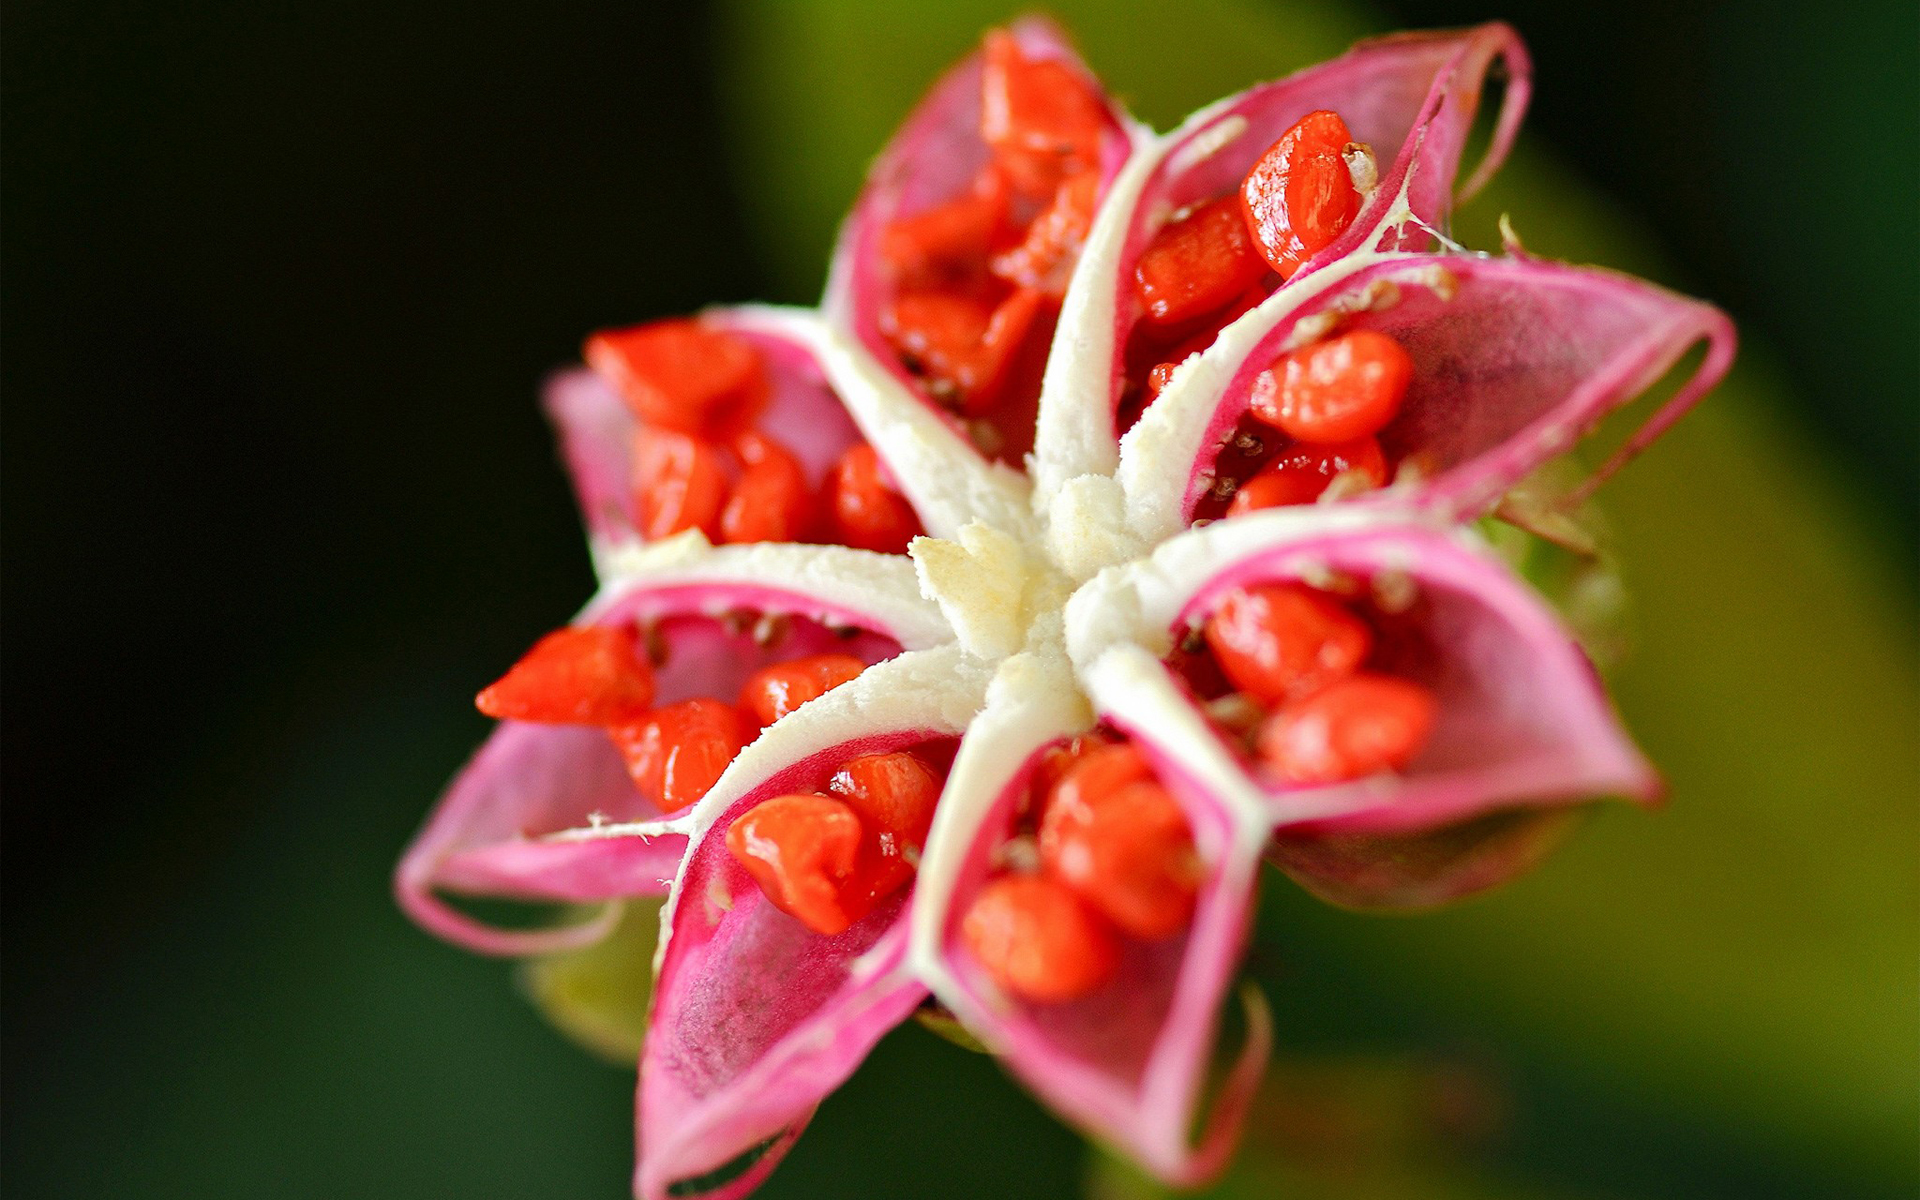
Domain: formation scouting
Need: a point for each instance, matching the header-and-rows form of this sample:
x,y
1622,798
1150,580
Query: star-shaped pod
x,y
966,647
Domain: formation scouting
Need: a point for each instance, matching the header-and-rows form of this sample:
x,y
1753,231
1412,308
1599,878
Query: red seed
x,y
1098,771
676,753
581,675
1045,256
894,795
1356,727
1129,853
1279,641
1303,471
866,511
802,850
1041,118
1038,940
1057,760
681,374
962,346
936,328
1197,264
1300,196
679,483
1162,373
1343,388
1019,317
772,692
770,500
949,239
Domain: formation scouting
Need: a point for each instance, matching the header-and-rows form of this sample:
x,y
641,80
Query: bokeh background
x,y
278,284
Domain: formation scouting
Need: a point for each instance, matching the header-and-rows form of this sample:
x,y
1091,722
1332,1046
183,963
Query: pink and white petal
x,y
1416,192
755,1019
835,594
506,827
934,157
1413,96
1515,360
1524,724
485,838
1126,1064
597,431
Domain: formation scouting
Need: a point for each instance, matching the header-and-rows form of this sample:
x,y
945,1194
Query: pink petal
x,y
530,780
1422,870
1428,159
1515,360
596,430
491,834
1411,96
934,157
755,1018
1128,1062
1524,725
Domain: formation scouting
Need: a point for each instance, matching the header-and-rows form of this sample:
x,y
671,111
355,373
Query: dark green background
x,y
277,286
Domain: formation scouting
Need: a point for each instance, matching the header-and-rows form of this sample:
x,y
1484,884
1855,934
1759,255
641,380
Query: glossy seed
x,y
678,752
1126,851
1338,390
774,691
681,374
1058,759
895,795
1300,196
949,240
1302,472
1197,265
867,513
1278,641
1046,253
1038,940
770,502
581,675
1353,728
802,850
680,483
1041,118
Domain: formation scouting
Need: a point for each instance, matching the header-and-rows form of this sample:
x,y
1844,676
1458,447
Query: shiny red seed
x,y
1097,771
679,483
963,346
894,795
1278,641
802,851
867,513
1038,940
1162,373
770,502
1128,852
949,239
1041,118
677,752
1046,254
1057,760
681,374
772,692
1300,196
938,332
1303,471
1338,390
1197,264
1357,727
581,675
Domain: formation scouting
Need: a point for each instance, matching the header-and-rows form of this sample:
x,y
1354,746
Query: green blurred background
x,y
278,284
